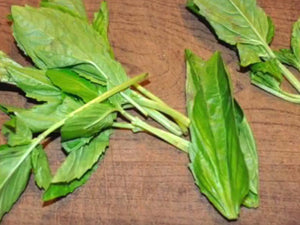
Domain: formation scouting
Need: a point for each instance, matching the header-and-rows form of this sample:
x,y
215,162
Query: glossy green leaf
x,y
17,132
241,23
248,147
41,35
92,120
217,161
41,168
73,7
80,161
70,82
15,170
100,24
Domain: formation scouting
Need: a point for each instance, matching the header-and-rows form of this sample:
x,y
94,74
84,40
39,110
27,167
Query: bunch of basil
x,y
80,91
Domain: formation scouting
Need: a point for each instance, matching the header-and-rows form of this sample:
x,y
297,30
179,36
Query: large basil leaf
x,y
41,168
41,33
15,170
248,148
238,22
217,160
73,7
92,120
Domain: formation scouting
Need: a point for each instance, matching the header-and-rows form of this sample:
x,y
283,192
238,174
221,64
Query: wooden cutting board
x,y
143,180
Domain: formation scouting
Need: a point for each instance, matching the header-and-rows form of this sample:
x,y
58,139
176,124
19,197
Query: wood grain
x,y
143,180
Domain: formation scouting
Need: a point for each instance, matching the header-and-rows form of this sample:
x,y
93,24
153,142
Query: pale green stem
x,y
172,139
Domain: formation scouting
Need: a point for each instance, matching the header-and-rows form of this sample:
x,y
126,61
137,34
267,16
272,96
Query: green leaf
x,y
292,56
41,117
88,122
82,160
15,170
248,147
286,56
17,132
41,168
295,43
241,23
268,83
34,83
5,62
217,161
62,189
70,82
41,35
72,7
270,67
100,24
75,144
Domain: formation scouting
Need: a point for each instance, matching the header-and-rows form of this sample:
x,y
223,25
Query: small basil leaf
x,y
17,132
92,120
70,82
40,167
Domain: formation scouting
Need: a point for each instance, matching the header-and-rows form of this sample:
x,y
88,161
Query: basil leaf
x,y
69,82
15,170
292,56
286,56
92,120
34,83
268,83
82,160
41,117
73,7
5,62
240,23
50,46
75,144
17,132
270,67
41,168
100,24
295,43
217,161
62,189
249,151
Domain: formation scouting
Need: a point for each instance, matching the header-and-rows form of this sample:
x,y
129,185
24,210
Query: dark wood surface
x,y
143,180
